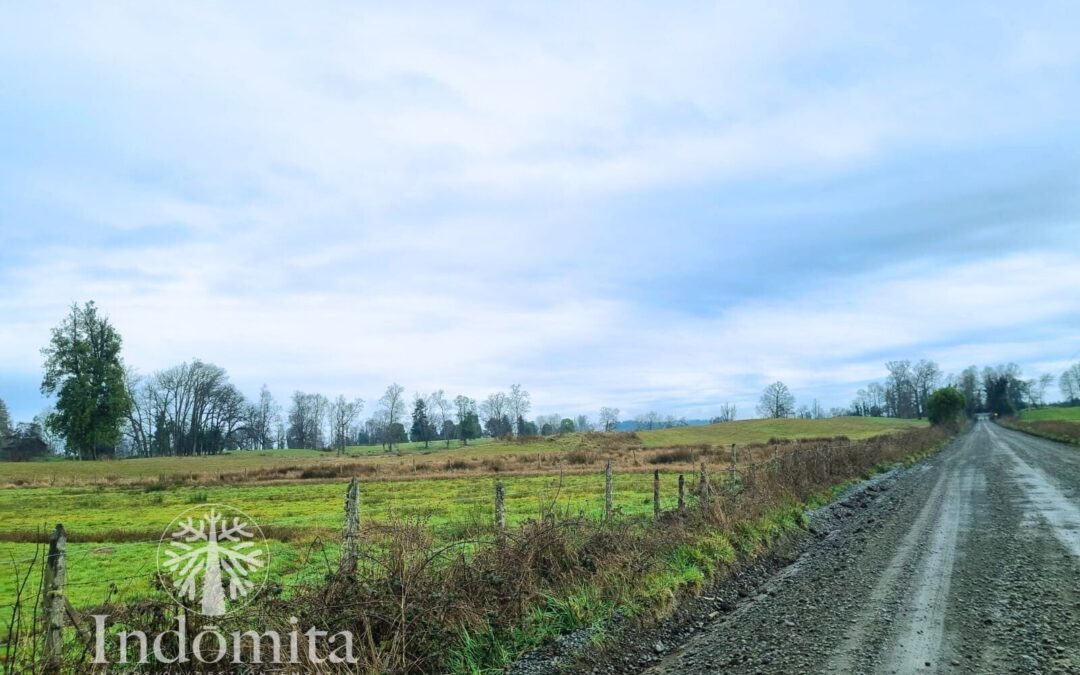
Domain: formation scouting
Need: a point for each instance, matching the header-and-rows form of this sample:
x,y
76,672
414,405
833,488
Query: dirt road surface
x,y
968,563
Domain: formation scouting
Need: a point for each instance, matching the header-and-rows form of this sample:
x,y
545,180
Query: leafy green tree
x,y
84,371
421,426
945,407
566,426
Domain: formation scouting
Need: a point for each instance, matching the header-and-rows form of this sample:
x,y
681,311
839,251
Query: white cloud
x,y
348,195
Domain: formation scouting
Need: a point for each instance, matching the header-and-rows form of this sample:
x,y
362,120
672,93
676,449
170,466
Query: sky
x,y
645,206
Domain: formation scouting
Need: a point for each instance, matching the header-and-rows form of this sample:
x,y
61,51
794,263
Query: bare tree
x,y
519,406
1037,389
393,409
776,401
609,418
307,416
441,410
496,413
1069,383
263,418
926,377
343,416
728,413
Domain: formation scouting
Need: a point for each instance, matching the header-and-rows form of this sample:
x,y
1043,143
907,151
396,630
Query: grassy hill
x,y
1038,414
745,432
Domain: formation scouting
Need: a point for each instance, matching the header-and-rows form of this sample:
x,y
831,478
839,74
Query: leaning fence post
x,y
500,508
734,459
607,491
704,483
351,534
682,492
656,494
54,609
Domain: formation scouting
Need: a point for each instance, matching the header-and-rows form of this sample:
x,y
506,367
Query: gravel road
x,y
968,562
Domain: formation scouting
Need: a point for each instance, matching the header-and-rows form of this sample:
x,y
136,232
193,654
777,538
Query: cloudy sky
x,y
658,206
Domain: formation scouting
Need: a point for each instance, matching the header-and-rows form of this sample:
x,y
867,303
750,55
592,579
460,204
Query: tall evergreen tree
x,y
84,371
421,426
5,422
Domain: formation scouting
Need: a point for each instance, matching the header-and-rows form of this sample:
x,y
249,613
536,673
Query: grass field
x,y
244,467
114,511
760,431
1054,413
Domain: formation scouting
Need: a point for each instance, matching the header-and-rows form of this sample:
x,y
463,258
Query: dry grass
x,y
422,607
1065,431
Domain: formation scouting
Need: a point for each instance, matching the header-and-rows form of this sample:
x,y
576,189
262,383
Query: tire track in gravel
x,y
968,562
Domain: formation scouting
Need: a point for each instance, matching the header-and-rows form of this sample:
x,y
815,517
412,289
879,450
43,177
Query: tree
x,y
968,385
566,426
343,416
5,422
776,401
262,419
519,405
926,377
609,418
393,407
421,425
468,421
1069,383
496,413
901,394
728,413
582,423
306,419
53,441
945,407
1004,389
439,410
83,369
647,421
1037,389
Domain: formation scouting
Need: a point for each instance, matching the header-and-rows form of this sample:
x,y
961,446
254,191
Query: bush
x,y
945,406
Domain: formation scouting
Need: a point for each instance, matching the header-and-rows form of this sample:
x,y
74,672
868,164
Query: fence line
x,y
58,612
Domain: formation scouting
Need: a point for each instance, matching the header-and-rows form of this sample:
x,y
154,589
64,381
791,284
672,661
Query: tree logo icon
x,y
213,559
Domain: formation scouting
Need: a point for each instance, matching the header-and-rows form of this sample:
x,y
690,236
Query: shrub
x,y
945,406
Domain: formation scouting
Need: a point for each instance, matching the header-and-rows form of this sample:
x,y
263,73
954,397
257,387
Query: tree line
x,y
103,408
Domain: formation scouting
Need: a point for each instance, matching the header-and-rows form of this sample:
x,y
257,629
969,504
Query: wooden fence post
x,y
656,494
682,492
608,496
500,508
734,460
704,483
350,538
54,605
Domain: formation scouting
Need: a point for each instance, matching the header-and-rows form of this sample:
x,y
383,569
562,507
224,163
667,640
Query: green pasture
x,y
745,432
1055,413
114,530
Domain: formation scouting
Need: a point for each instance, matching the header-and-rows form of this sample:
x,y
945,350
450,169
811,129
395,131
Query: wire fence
x,y
473,514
